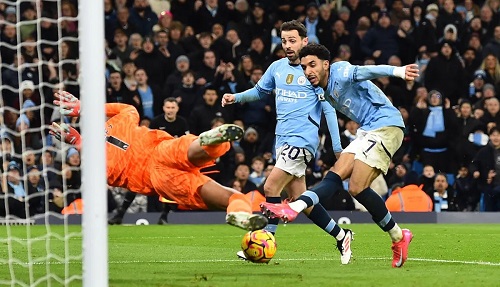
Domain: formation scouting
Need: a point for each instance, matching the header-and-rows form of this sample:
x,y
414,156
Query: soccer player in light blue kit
x,y
298,110
348,89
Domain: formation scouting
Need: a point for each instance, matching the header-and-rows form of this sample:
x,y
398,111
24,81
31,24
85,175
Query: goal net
x,y
48,237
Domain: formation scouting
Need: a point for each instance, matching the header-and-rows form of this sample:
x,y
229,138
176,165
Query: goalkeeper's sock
x,y
272,224
321,218
380,215
127,201
215,151
330,184
238,202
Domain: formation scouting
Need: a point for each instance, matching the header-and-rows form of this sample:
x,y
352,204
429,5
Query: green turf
x,y
204,255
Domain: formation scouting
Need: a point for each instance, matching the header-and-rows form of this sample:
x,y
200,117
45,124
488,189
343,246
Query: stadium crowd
x,y
173,60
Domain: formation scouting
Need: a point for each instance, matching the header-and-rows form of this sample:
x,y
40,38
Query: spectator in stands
x,y
491,66
429,33
484,169
206,73
27,30
117,92
466,189
257,176
173,81
202,115
143,17
251,143
122,50
448,16
187,95
70,25
124,22
242,175
445,198
48,166
246,66
260,25
380,42
406,42
446,74
14,192
129,68
470,133
311,22
487,93
426,180
211,13
471,61
175,36
169,121
493,46
325,22
157,64
433,129
258,53
476,86
340,35
150,95
164,22
236,46
135,41
49,32
9,38
487,20
491,115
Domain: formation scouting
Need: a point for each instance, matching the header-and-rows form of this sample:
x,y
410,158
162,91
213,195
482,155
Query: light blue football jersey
x,y
350,92
298,107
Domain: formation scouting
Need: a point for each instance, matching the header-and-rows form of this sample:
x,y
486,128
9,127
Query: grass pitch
x,y
204,255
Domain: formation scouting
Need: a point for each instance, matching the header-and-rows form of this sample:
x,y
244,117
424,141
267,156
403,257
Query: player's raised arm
x,y
363,73
264,87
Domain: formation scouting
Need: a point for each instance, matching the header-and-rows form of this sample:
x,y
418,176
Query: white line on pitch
x,y
280,259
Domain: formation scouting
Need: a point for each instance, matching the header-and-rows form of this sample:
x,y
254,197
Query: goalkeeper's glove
x,y
69,104
66,133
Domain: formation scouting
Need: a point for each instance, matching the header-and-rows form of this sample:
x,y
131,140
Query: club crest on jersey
x,y
289,79
301,80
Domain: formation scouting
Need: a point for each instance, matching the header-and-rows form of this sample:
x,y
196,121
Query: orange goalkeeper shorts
x,y
174,177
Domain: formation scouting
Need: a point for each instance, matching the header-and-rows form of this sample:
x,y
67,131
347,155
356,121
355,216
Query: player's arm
x,y
264,87
370,72
112,109
333,127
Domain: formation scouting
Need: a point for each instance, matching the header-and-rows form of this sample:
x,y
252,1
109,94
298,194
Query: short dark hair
x,y
317,50
294,25
493,130
170,100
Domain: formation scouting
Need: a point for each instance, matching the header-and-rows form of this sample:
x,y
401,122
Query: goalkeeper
x,y
153,162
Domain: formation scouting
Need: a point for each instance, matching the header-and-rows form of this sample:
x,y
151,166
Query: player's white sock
x,y
341,235
298,205
396,233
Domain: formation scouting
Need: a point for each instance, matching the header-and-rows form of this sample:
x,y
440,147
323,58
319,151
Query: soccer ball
x,y
259,246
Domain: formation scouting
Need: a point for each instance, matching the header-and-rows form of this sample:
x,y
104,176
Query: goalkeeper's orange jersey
x,y
151,161
129,148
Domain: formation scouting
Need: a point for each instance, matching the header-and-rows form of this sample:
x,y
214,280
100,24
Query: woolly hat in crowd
x,y
72,151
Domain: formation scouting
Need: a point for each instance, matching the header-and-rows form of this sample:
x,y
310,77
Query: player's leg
x,y
238,207
275,183
319,216
359,187
120,211
330,184
213,144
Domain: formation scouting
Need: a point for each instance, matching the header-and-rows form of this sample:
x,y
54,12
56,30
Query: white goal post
x,y
92,81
